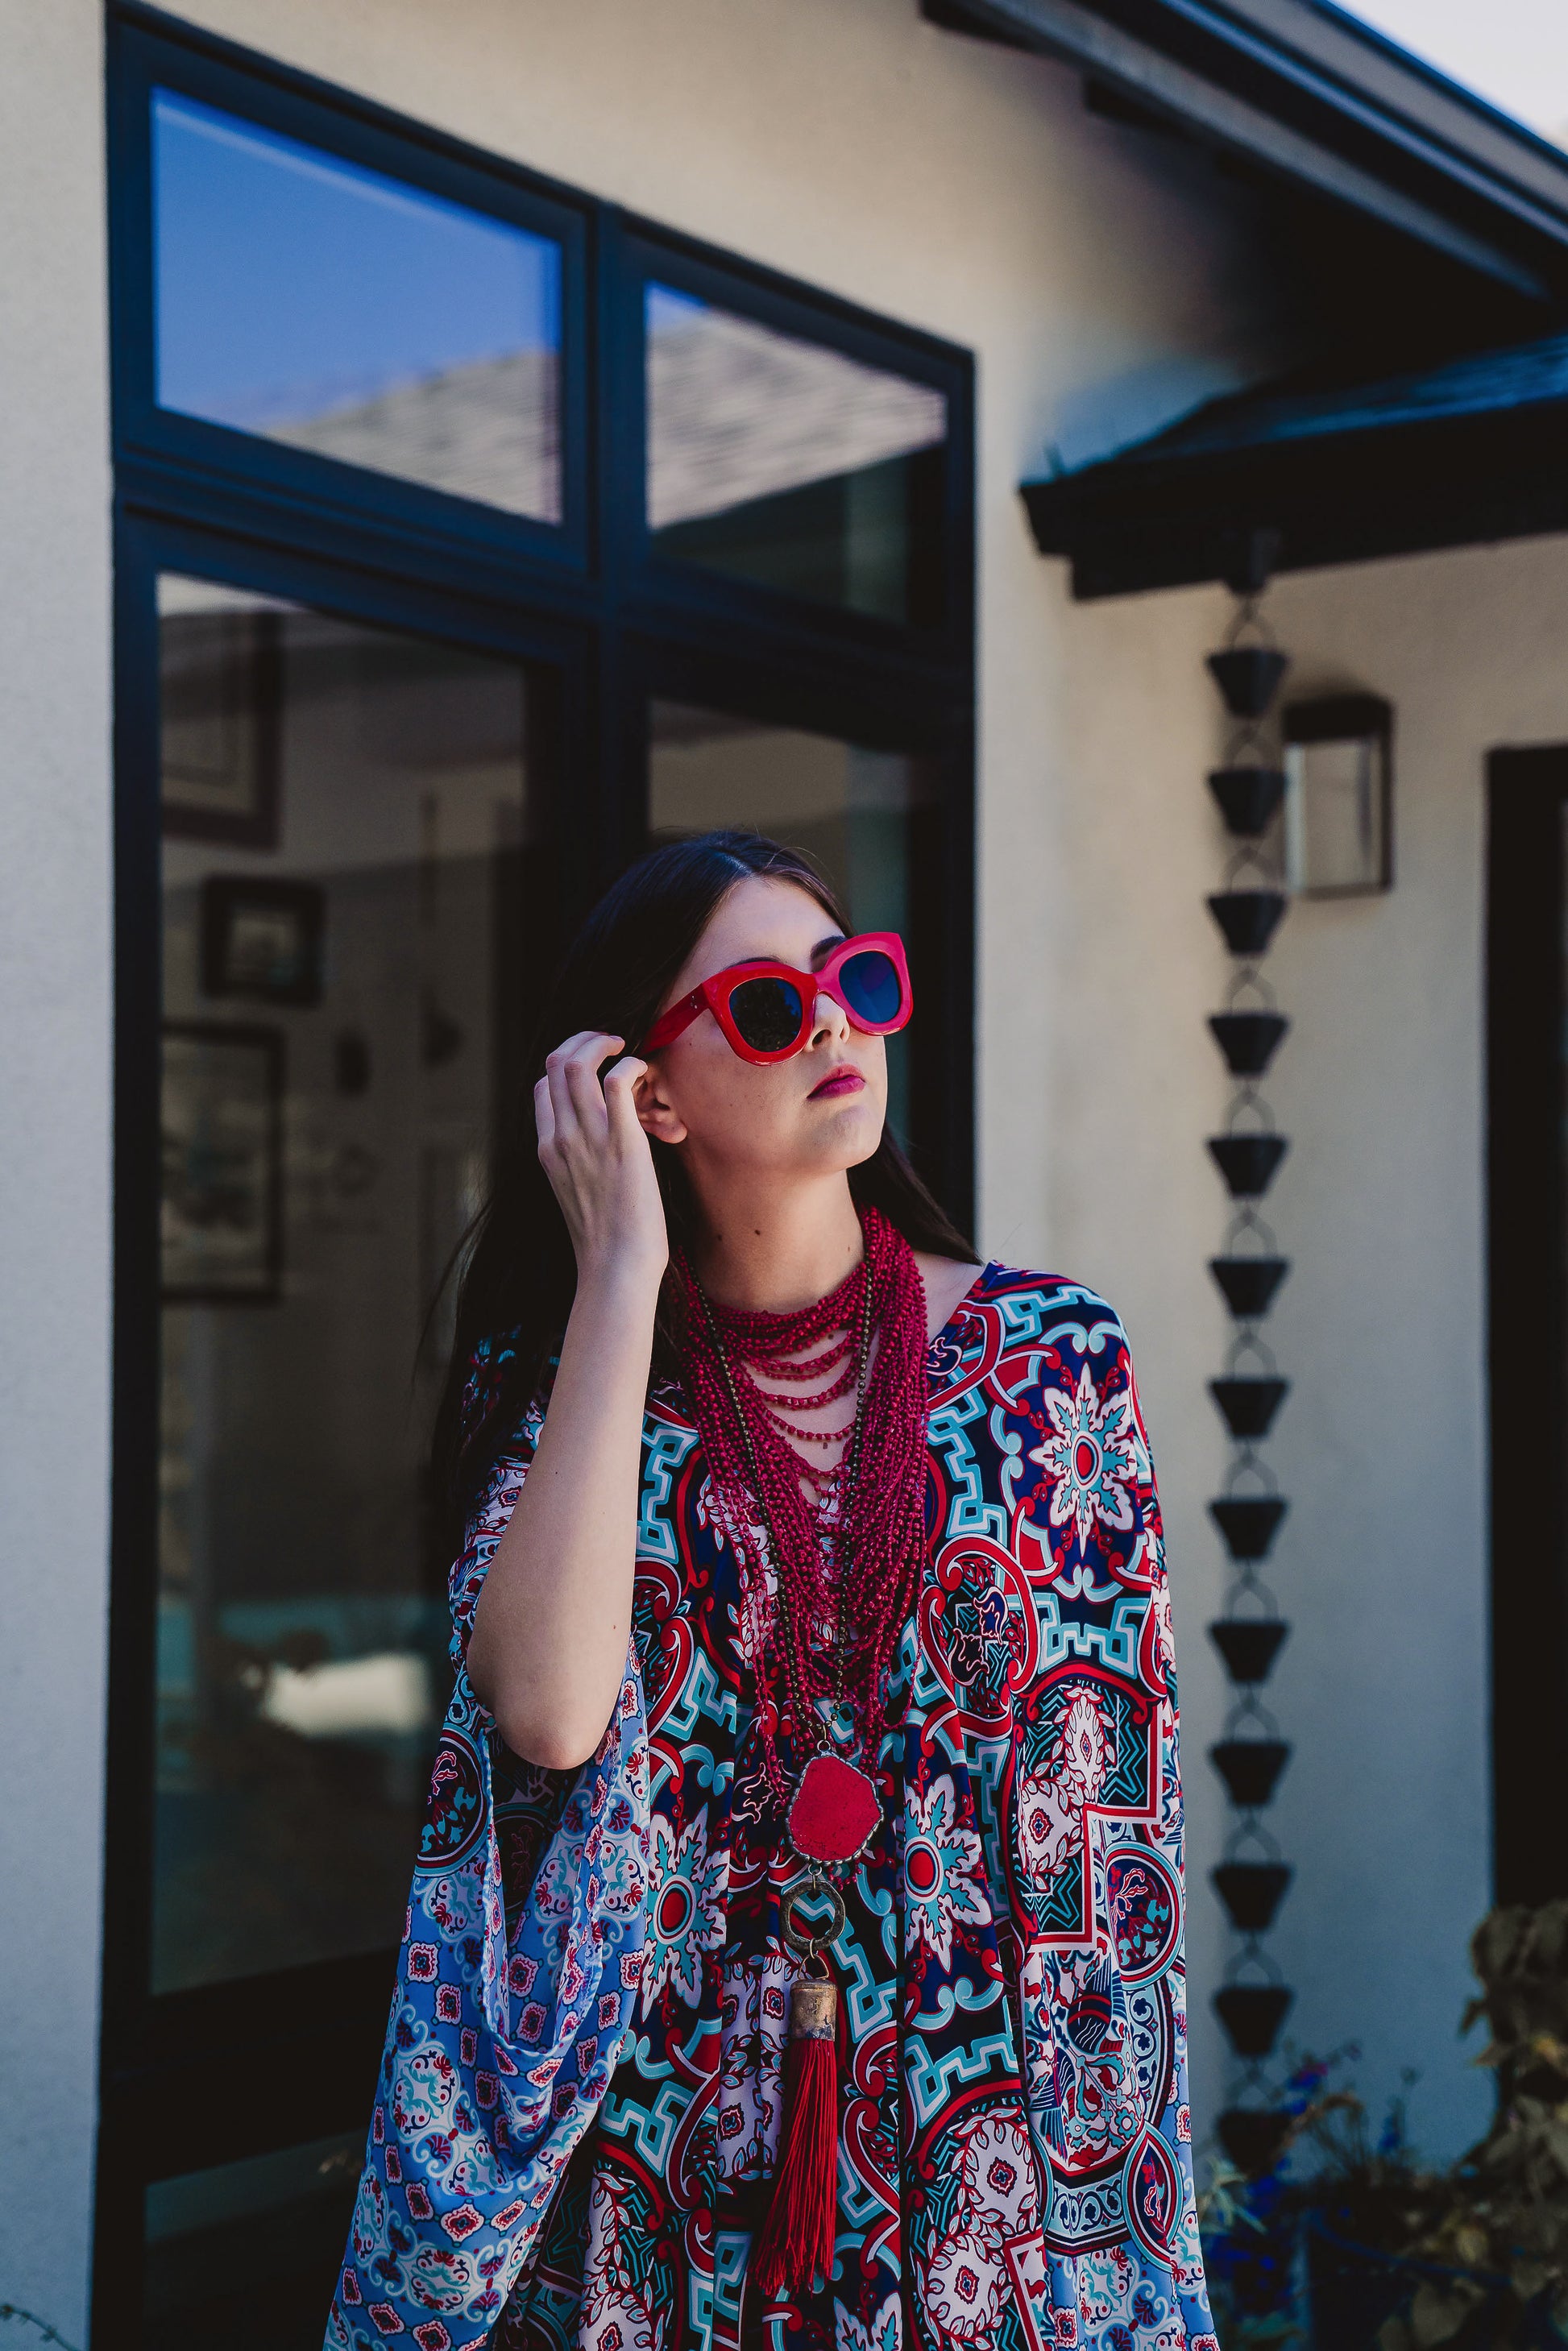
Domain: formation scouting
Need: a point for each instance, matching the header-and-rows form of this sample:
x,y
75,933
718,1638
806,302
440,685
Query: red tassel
x,y
795,2247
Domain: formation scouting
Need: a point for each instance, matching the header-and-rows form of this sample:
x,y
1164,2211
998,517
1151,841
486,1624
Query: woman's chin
x,y
847,1132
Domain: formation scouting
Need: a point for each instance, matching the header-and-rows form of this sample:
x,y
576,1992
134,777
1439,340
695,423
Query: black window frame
x,y
1527,1180
613,626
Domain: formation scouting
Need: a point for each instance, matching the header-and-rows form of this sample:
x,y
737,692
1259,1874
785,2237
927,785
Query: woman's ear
x,y
657,1113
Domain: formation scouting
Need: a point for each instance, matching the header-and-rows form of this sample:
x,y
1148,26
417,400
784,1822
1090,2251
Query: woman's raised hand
x,y
550,1629
599,1161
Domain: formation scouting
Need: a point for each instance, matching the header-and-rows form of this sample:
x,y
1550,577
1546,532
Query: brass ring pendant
x,y
808,1941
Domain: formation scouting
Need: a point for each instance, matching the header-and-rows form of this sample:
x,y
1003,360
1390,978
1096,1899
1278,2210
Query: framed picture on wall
x,y
262,939
221,1199
220,717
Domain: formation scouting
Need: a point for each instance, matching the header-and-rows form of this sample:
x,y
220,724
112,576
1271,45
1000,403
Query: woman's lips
x,y
843,1082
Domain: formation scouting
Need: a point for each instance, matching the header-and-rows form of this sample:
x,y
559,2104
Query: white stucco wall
x,y
963,189
53,1160
1385,1206
1382,1565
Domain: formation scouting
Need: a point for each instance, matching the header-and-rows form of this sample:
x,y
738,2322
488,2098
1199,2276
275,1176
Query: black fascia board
x,y
1377,489
1322,100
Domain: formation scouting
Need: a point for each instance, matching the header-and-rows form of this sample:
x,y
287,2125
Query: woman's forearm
x,y
548,1645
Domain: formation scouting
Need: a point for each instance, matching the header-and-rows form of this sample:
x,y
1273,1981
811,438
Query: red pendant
x,y
835,1811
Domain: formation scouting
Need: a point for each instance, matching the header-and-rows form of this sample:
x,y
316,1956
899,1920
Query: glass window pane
x,y
306,298
870,819
348,825
243,2257
785,462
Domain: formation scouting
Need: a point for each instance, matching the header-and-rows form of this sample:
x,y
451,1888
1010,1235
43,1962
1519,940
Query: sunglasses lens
x,y
767,1012
871,987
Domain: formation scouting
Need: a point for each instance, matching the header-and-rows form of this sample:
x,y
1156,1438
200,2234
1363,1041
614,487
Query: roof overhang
x,y
1317,98
1466,452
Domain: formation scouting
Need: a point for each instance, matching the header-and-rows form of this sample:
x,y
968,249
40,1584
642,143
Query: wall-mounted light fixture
x,y
1339,795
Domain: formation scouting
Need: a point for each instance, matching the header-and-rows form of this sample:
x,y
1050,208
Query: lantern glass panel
x,y
1337,814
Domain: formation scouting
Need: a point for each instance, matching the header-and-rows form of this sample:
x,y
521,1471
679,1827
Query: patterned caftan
x,y
579,2105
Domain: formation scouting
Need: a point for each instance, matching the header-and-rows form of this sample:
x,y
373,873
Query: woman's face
x,y
819,1111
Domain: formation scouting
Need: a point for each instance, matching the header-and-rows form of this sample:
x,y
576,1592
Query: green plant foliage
x,y
1503,2210
1480,2250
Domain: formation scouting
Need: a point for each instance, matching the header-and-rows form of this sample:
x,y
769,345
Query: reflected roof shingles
x,y
736,412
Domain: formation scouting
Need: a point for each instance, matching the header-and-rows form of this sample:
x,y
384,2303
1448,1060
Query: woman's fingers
x,y
580,1069
571,1072
595,1152
621,1097
544,1115
578,1108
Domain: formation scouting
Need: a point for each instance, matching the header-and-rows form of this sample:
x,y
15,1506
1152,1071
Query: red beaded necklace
x,y
823,1648
822,1651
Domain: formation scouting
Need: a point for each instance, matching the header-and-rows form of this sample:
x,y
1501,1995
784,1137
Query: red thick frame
x,y
714,995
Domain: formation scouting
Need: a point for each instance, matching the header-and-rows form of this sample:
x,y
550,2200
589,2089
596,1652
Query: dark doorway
x,y
1527,962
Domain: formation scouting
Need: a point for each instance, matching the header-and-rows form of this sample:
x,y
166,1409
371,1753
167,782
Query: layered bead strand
x,y
847,1539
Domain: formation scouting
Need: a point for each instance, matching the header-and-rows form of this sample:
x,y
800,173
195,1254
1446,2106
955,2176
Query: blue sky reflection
x,y
292,283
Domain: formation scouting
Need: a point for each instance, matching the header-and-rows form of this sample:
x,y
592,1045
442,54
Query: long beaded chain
x,y
875,1537
805,1714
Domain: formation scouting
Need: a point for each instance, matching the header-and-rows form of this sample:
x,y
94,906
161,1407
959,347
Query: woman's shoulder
x,y
1030,1329
1023,1296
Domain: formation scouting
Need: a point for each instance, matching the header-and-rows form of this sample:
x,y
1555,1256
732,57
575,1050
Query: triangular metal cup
x,y
1248,1283
1249,1646
1249,677
1248,1161
1251,1769
1252,2015
1249,1041
1254,2138
1249,1522
1249,918
1249,798
1248,1406
1252,1892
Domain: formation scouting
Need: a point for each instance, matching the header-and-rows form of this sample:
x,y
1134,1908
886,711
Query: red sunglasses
x,y
766,1009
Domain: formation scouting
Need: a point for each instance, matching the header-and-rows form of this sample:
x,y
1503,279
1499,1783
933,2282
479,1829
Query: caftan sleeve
x,y
521,1954
1095,1843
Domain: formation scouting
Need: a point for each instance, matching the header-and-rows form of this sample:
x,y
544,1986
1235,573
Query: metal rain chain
x,y
1252,1878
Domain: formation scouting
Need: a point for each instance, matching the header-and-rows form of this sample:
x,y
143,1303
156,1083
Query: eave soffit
x,y
1318,98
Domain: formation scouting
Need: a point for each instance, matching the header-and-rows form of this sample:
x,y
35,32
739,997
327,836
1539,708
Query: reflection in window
x,y
306,298
785,462
347,830
868,818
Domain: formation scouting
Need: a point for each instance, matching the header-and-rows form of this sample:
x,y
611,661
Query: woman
x,y
794,1955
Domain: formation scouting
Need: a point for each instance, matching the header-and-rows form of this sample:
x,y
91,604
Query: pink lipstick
x,y
845,1080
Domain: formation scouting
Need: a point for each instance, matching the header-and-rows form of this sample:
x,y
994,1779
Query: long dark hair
x,y
519,1274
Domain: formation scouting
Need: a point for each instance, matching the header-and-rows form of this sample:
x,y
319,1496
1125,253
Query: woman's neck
x,y
775,1249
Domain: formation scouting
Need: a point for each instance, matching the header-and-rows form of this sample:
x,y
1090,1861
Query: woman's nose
x,y
829,1018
